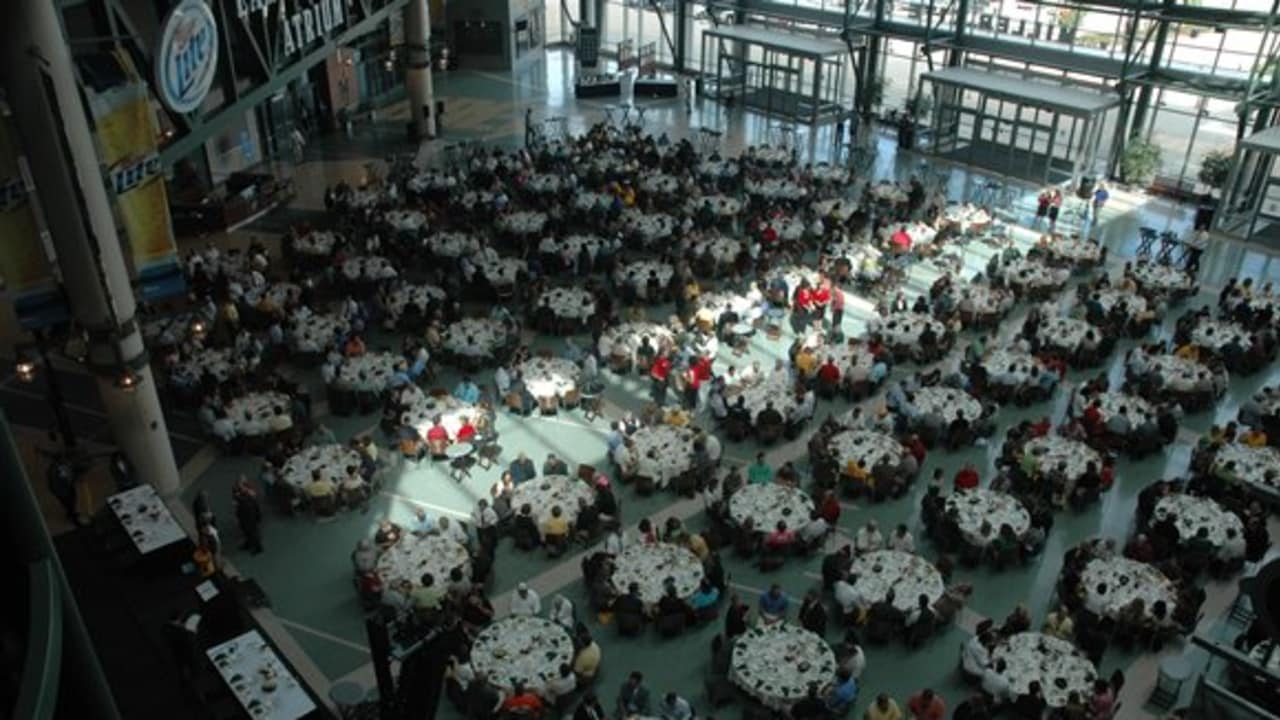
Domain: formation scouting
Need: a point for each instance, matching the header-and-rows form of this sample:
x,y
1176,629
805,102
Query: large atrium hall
x,y
640,359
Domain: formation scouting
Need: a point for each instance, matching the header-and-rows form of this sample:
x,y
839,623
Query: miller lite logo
x,y
187,56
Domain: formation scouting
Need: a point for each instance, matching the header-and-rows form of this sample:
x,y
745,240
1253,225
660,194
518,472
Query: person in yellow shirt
x,y
677,418
1254,438
555,527
1188,351
806,362
1058,623
857,472
697,545
884,708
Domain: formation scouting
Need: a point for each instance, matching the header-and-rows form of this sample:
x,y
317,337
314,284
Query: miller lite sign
x,y
187,56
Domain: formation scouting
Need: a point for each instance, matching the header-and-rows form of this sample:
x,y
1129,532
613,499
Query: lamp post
x,y
27,369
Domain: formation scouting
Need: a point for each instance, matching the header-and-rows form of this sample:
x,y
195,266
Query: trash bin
x,y
1085,191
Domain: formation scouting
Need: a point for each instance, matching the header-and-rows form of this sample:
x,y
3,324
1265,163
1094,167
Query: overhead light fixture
x,y
199,328
25,369
128,380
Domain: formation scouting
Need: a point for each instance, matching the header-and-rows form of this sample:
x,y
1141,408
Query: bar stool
x,y
1146,238
1172,673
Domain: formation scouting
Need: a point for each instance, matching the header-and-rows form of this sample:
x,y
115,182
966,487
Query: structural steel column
x,y
51,122
417,70
1143,103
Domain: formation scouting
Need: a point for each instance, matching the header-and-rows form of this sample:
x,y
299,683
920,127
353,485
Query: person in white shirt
x,y
674,707
502,380
975,656
224,428
715,401
846,597
996,685
868,538
564,682
615,543
813,530
484,517
805,409
561,612
714,448
526,601
590,368
451,530
902,541
855,660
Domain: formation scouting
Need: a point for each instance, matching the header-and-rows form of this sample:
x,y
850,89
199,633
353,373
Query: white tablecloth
x,y
652,567
331,460
983,300
840,208
146,519
721,205
431,180
908,575
523,222
502,271
776,663
317,242
902,330
547,491
998,361
889,192
414,556
659,184
777,189
422,410
640,271
789,229
1076,250
545,184
313,333
281,293
669,448
1138,410
756,393
1162,279
1056,664
1135,303
251,411
1191,513
420,296
1252,464
711,305
587,201
718,168
549,377
974,507
1030,274
528,650
452,244
569,246
572,303
766,155
1065,333
824,173
872,448
624,338
1054,450
370,372
793,275
474,337
723,250
947,403
219,362
405,220
768,505
1214,335
1178,374
921,234
250,666
649,227
966,216
370,268
1125,580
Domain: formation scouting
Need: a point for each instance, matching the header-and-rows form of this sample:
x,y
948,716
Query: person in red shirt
x,y
703,368
967,478
901,240
658,373
692,384
437,438
821,298
927,705
523,701
769,235
829,372
1041,427
915,446
830,508
1092,418
467,432
781,538
804,298
1107,476
837,308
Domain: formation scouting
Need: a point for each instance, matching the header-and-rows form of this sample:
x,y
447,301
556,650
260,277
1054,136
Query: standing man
x,y
528,127
248,515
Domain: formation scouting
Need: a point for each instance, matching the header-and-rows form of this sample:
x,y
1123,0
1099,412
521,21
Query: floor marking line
x,y
321,634
430,506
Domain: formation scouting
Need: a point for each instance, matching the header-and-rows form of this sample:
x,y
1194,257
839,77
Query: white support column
x,y
36,71
417,72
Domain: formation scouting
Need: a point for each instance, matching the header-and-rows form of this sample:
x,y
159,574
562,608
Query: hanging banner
x,y
37,299
126,130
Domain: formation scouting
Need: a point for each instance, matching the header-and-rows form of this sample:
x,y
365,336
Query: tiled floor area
x,y
306,568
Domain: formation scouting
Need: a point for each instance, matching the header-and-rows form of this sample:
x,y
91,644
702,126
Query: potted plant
x,y
1215,167
873,95
1139,162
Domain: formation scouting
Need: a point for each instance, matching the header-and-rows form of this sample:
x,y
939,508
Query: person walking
x,y
1043,201
248,515
1100,197
1055,206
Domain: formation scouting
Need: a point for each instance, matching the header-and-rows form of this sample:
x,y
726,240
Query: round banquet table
x,y
639,273
251,411
548,491
219,362
331,460
422,409
909,576
413,556
757,392
670,448
502,271
1213,335
570,303
1077,251
1134,303
776,663
405,220
419,296
312,333
1162,279
998,362
903,330
1138,410
459,450
653,567
721,205
452,244
1065,333
1252,464
317,242
777,189
1051,451
370,372
1056,664
872,448
549,377
477,338
520,649
368,268
768,505
649,227
1125,581
712,305
948,403
840,208
1032,275
624,339
523,222
660,183
723,250
1191,513
974,507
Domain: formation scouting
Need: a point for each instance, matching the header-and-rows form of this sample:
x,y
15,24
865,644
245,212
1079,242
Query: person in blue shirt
x,y
759,472
422,523
467,391
844,693
400,377
773,605
706,596
522,469
879,371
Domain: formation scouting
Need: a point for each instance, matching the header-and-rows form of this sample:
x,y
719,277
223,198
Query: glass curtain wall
x,y
634,20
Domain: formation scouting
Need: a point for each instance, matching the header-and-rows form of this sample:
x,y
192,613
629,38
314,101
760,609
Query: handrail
x,y
42,668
